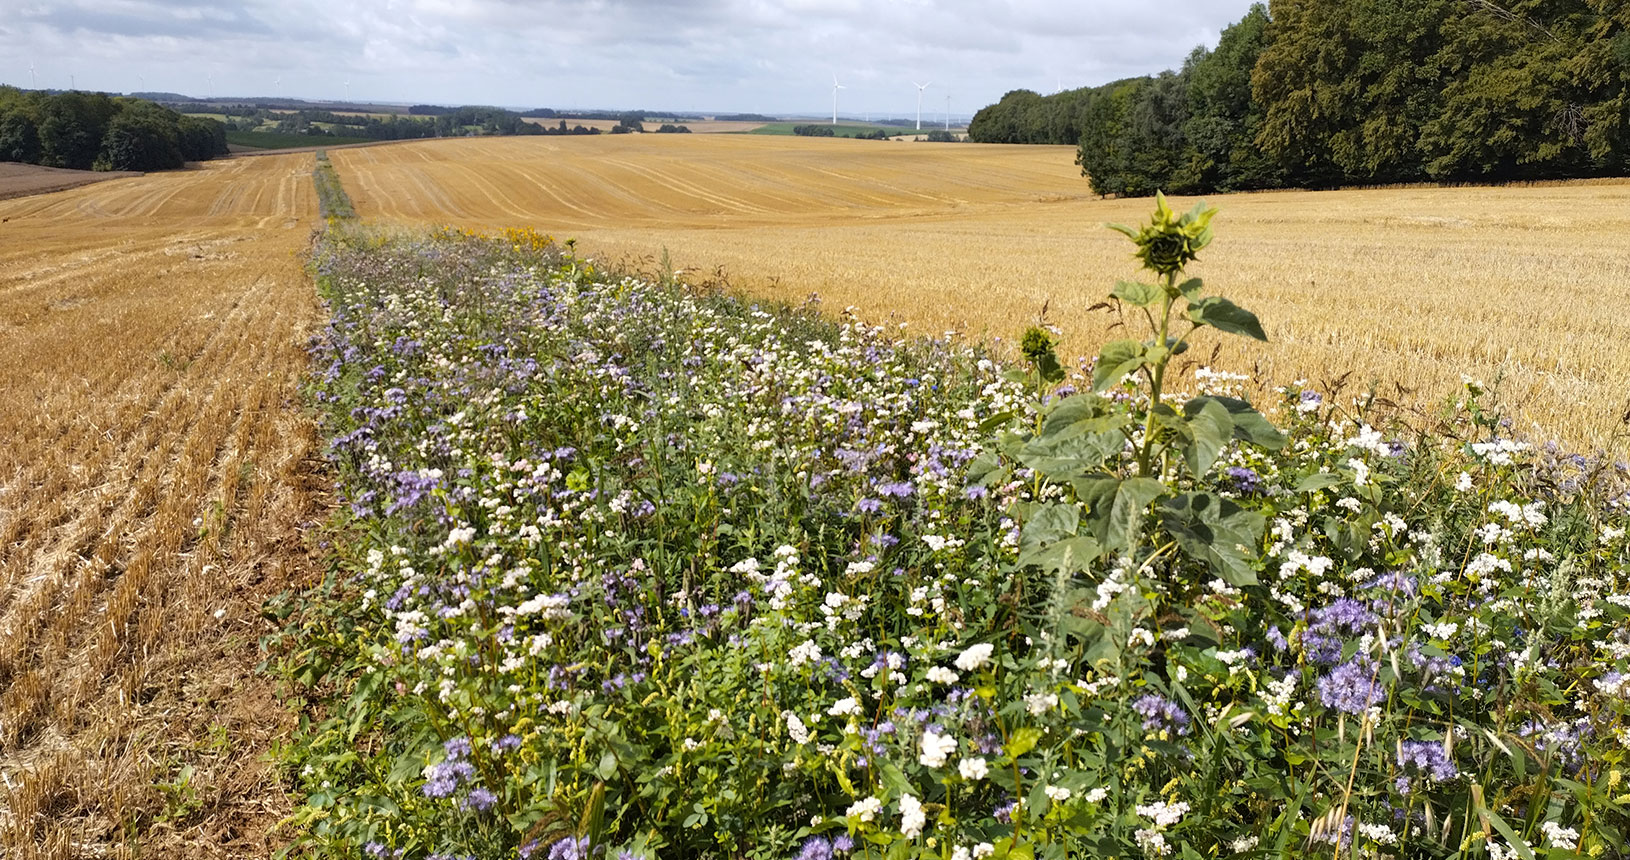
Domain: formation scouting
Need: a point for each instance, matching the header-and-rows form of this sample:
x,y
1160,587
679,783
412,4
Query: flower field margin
x,y
654,571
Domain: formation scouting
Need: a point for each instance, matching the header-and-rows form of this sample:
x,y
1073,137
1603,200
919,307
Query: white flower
x,y
1361,471
1463,483
1445,630
1152,843
1040,703
865,809
1557,836
1057,793
935,542
973,769
975,657
1097,795
795,728
844,707
941,675
936,747
808,652
1163,814
983,849
912,818
1380,833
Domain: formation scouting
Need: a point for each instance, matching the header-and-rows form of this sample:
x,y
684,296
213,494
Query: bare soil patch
x,y
19,180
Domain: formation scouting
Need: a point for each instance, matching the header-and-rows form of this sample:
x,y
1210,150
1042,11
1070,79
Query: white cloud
x,y
770,56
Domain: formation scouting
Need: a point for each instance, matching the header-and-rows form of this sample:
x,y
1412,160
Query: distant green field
x,y
279,140
839,130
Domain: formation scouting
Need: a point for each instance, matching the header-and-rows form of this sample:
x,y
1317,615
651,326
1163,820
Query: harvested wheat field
x,y
1410,286
155,468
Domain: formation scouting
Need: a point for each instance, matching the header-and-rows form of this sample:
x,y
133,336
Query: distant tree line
x,y
1320,93
638,115
449,122
829,131
670,128
93,131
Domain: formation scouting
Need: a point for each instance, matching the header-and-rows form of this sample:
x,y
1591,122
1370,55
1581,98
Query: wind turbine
x,y
920,88
71,83
835,87
347,90
211,92
947,113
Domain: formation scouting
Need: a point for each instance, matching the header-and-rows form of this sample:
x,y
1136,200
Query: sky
x,y
704,56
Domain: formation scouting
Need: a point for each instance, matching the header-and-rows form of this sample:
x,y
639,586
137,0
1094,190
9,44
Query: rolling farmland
x,y
156,466
1413,286
159,470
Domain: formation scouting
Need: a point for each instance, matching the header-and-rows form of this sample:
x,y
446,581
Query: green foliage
x,y
90,130
332,201
842,129
138,141
1319,93
19,138
661,572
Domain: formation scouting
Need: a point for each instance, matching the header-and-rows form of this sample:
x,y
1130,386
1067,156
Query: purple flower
x,y
1160,713
814,848
1004,811
1428,759
444,778
897,489
570,849
1245,480
480,800
1351,687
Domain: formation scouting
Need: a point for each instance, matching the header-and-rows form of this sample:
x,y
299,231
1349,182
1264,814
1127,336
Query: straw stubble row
x,y
157,471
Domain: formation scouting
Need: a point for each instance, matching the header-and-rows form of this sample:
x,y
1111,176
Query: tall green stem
x,y
1157,378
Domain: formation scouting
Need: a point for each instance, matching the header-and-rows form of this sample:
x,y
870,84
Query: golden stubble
x,y
156,469
1408,287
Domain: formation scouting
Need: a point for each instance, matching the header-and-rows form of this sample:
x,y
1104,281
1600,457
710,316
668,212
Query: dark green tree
x,y
1511,108
71,127
1305,82
19,139
139,141
1104,154
1223,117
